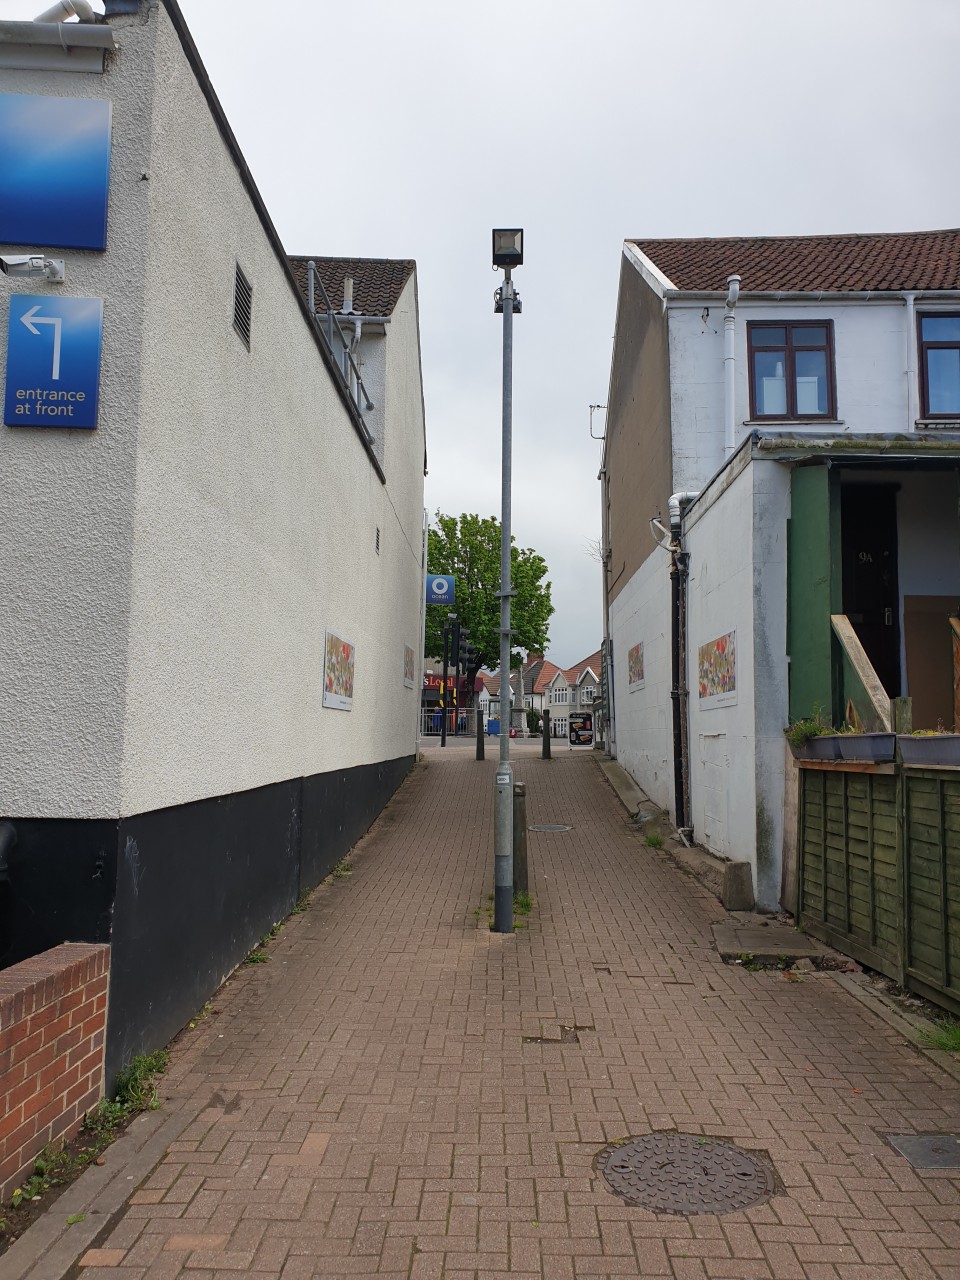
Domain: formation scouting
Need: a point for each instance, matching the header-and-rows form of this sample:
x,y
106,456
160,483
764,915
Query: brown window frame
x,y
923,346
789,350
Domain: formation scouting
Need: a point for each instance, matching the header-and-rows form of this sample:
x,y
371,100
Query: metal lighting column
x,y
503,846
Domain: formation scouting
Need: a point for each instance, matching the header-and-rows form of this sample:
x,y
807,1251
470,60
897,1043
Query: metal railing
x,y
462,722
328,325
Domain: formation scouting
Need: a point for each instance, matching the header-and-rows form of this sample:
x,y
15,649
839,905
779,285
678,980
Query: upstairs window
x,y
791,370
940,365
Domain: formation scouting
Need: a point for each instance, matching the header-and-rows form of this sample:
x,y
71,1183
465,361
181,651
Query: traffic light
x,y
465,650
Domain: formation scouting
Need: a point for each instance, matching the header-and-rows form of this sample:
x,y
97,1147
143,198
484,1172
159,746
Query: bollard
x,y
520,884
546,735
479,734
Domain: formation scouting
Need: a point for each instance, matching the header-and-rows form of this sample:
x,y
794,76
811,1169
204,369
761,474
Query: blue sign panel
x,y
53,361
54,171
440,588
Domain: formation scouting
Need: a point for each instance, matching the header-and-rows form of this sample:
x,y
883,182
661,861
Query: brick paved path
x,y
366,1105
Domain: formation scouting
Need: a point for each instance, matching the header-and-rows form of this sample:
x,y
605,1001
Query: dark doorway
x,y
871,592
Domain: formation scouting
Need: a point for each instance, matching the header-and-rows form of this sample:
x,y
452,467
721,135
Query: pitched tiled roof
x,y
377,282
574,673
881,262
544,676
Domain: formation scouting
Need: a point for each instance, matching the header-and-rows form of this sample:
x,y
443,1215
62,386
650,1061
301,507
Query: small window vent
x,y
378,541
242,306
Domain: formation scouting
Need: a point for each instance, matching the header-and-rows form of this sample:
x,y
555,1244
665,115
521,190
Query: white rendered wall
x,y
720,600
644,724
770,483
256,504
167,578
870,359
736,536
66,504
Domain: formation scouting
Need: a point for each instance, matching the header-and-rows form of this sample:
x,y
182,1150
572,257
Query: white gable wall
x,y
256,503
640,614
870,360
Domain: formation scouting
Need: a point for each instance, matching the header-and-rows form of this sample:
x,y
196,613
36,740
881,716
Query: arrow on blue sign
x,y
53,383
31,319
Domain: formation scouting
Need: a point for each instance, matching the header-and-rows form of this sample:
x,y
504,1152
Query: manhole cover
x,y
684,1173
550,826
928,1150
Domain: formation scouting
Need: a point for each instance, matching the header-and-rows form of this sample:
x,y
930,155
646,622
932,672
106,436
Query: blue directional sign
x,y
440,588
54,171
53,361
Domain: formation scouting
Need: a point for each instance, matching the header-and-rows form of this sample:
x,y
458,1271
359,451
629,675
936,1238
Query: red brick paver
x,y
367,1106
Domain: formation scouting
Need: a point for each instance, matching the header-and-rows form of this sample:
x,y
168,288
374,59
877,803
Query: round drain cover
x,y
550,826
684,1173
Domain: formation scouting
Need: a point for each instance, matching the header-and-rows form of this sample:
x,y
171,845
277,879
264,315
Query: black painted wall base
x,y
182,894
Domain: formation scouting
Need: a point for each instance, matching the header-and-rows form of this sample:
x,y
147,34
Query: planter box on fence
x,y
872,748
824,747
930,750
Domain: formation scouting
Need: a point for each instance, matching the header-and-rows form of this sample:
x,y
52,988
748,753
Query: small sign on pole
x,y
441,588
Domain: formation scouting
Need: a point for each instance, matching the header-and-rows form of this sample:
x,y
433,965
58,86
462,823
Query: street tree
x,y
468,547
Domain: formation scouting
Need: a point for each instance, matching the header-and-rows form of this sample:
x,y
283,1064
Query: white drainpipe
x,y
911,361
81,9
730,365
674,503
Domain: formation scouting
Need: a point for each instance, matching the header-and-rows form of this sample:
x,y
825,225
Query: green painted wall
x,y
813,587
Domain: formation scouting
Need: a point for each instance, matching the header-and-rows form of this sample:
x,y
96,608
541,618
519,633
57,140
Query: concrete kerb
x,y
50,1248
769,942
911,1026
728,880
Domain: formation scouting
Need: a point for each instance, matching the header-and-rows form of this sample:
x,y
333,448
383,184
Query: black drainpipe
x,y
676,585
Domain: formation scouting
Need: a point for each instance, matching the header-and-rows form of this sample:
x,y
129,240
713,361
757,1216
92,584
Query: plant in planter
x,y
930,750
812,738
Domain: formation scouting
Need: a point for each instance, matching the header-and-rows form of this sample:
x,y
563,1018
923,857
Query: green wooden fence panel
x,y
932,883
849,892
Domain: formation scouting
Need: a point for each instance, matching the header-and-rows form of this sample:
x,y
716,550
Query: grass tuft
x,y
945,1036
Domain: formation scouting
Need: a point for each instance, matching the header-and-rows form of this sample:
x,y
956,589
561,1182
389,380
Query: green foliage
x,y
136,1091
801,731
256,956
655,841
468,546
533,720
136,1084
946,1037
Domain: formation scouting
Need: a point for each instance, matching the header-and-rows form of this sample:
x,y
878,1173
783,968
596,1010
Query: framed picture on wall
x,y
717,671
338,664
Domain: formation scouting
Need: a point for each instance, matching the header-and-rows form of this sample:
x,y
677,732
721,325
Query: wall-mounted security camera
x,y
33,265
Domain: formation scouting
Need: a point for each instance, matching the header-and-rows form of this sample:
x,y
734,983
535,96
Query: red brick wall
x,y
53,1013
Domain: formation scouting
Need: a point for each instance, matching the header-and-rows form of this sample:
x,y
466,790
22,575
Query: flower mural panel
x,y
635,678
717,671
338,673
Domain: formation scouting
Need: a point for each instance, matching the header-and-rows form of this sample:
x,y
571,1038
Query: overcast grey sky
x,y
411,129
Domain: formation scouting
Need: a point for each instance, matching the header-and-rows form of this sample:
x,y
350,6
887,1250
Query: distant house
x,y
780,524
